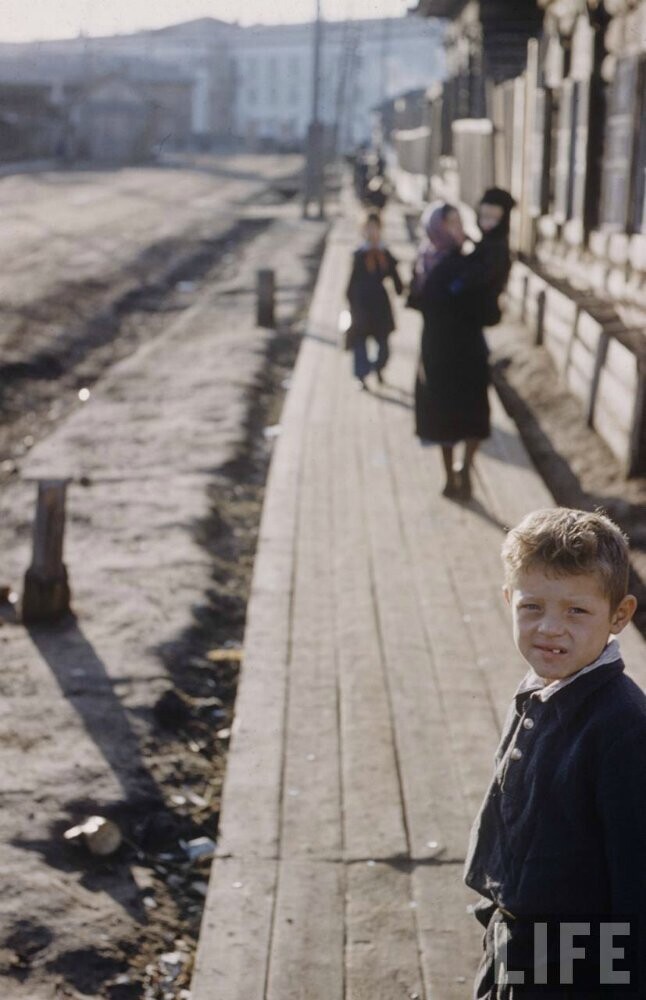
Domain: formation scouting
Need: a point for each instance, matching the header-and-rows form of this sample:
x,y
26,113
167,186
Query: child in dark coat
x,y
370,307
558,850
490,263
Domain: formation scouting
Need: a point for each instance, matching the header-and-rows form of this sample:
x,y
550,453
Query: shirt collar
x,y
533,685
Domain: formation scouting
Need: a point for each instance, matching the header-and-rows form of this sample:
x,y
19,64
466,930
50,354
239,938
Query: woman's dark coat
x,y
487,272
370,307
451,400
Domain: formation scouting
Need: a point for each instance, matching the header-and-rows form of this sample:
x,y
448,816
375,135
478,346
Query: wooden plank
x,y
382,956
582,361
255,761
256,756
589,331
311,810
614,403
233,951
622,364
450,936
436,816
307,949
458,676
374,826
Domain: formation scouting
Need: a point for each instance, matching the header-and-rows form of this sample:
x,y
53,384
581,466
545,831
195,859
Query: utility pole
x,y
314,188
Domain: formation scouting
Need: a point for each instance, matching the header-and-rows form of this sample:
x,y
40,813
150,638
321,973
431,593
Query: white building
x,y
362,63
251,84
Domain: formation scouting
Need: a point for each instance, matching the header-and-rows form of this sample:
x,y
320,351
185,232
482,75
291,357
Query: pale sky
x,y
27,20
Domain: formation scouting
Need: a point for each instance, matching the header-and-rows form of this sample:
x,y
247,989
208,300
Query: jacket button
x,y
528,723
516,754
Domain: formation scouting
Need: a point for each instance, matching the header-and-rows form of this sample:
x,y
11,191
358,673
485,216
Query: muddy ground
x,y
94,263
119,710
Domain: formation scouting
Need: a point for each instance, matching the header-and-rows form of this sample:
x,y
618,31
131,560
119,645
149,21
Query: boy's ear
x,y
623,613
506,593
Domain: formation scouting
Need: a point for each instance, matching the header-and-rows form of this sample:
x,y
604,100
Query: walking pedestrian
x,y
376,194
451,390
370,308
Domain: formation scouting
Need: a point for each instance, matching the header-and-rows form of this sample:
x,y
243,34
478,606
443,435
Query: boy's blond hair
x,y
564,541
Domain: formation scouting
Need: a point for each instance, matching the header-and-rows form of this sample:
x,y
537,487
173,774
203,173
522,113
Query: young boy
x,y
372,314
558,849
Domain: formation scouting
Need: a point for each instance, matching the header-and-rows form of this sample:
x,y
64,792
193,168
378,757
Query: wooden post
x,y
540,317
265,303
47,594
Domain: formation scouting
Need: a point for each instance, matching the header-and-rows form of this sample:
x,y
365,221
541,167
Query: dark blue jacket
x,y
562,830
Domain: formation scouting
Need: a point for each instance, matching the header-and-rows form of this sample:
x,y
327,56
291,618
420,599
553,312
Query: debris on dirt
x,y
201,847
172,710
24,942
272,432
224,655
100,835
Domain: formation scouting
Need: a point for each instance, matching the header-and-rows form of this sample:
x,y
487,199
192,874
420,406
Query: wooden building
x,y
30,126
548,99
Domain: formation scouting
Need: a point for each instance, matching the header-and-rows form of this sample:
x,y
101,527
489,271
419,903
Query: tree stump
x,y
46,595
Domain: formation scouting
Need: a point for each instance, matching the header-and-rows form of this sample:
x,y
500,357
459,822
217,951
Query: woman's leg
x,y
451,485
471,446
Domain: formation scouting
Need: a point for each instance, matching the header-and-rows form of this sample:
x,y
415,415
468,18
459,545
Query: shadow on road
x,y
85,683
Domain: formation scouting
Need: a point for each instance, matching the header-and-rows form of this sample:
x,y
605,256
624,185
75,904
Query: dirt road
x,y
167,461
80,251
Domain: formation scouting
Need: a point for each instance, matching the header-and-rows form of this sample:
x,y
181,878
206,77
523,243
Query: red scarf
x,y
376,260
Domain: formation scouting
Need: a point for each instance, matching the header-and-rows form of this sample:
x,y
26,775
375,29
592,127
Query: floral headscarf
x,y
438,241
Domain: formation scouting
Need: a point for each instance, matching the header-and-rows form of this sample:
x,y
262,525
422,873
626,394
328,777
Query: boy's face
x,y
489,216
562,623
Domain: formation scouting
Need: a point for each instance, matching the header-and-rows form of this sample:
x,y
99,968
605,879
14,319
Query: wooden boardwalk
x,y
378,665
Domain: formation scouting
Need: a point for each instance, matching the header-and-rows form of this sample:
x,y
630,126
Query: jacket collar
x,y
567,701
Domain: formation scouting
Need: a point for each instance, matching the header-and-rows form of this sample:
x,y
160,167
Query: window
x,y
638,213
618,177
565,148
580,115
539,189
272,78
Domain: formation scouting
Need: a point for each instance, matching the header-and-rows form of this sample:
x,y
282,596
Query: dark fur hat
x,y
500,197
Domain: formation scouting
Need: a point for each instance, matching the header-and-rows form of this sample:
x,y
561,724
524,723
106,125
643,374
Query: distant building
x,y
362,64
206,82
251,85
30,126
185,74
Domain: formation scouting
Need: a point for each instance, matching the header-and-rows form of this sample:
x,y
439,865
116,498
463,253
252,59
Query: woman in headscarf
x,y
436,243
451,391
